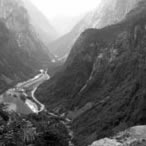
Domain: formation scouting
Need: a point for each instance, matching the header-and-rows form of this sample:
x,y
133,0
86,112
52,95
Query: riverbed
x,y
21,98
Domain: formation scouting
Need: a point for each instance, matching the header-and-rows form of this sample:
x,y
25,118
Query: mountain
x,y
42,26
107,12
101,86
64,24
22,53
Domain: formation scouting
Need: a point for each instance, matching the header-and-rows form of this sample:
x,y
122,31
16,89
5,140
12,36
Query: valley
x,y
85,88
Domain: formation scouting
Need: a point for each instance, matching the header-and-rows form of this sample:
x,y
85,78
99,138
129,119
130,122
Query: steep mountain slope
x,y
11,60
108,12
103,83
21,51
42,26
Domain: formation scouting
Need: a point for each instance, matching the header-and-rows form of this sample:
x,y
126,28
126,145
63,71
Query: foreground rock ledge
x,y
135,136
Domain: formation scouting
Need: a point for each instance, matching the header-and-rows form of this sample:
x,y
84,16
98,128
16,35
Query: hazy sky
x,y
53,8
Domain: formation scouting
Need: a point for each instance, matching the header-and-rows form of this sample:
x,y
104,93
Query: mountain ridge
x,y
102,84
102,16
22,51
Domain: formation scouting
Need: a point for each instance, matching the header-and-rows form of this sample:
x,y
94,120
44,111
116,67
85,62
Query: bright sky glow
x,y
53,8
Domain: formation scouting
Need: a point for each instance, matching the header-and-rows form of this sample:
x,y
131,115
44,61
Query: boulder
x,y
106,142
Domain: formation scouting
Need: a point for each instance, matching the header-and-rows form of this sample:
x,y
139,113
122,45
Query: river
x,y
21,98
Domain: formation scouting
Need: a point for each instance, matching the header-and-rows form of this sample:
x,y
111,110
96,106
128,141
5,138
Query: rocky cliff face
x,y
108,12
103,81
17,20
21,50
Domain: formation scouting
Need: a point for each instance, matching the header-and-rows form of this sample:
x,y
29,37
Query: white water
x,y
32,95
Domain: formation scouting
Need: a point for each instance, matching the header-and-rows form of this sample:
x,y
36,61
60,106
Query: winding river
x,y
21,98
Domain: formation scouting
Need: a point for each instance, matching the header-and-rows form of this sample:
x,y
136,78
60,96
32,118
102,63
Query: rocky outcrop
x,y
135,136
106,142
